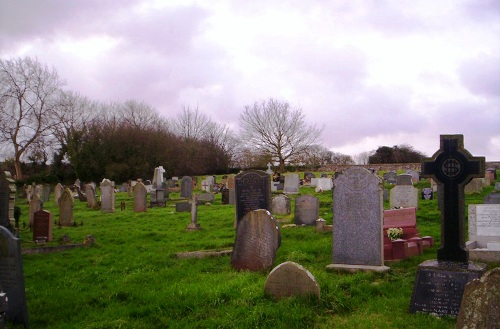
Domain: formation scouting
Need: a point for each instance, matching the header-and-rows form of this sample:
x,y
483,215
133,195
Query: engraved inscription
x,y
488,220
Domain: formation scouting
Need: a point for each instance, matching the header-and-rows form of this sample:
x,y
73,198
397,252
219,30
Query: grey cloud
x,y
481,75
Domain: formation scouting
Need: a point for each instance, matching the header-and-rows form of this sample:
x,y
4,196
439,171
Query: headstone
x,y
308,176
91,196
194,226
306,210
45,193
427,193
492,198
323,184
206,184
484,232
269,171
35,205
440,283
290,279
253,191
232,191
42,225
480,306
7,199
492,171
404,179
158,177
66,208
12,277
225,196
258,238
186,187
58,190
475,186
140,197
314,181
415,175
358,222
292,183
390,177
281,205
183,207
108,199
205,197
403,196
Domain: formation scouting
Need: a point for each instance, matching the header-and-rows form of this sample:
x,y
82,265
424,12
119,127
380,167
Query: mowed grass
x,y
131,277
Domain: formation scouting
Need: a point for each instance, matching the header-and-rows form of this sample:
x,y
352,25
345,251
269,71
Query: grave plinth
x,y
440,283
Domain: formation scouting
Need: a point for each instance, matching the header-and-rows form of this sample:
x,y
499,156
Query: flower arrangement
x,y
394,233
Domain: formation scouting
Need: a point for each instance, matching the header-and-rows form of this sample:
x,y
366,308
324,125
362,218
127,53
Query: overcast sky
x,y
372,73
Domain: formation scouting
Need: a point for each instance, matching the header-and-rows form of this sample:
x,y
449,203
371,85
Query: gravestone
x,y
42,225
58,190
313,182
206,184
427,193
258,238
292,183
183,207
253,191
12,277
306,210
403,196
108,199
281,205
158,177
140,197
323,184
308,176
492,198
404,179
269,171
35,205
480,307
492,171
440,283
186,187
390,177
193,226
475,186
225,195
232,192
205,197
7,199
484,232
358,222
415,175
66,208
45,193
290,279
91,197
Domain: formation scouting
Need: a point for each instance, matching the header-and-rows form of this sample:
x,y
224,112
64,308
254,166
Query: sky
x,y
370,73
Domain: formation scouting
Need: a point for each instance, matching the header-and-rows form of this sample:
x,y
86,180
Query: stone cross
x,y
453,167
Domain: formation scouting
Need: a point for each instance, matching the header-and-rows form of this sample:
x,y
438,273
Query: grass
x,y
131,277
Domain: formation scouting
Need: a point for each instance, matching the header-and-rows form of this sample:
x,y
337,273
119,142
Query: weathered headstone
x,y
91,196
440,283
42,225
183,207
308,176
258,238
45,193
253,191
108,199
323,184
232,192
158,177
290,279
205,197
7,199
186,187
415,175
480,307
474,186
358,222
404,179
403,196
427,193
281,205
292,183
140,197
269,171
225,195
58,191
66,208
12,277
306,210
193,226
492,198
484,232
35,205
390,177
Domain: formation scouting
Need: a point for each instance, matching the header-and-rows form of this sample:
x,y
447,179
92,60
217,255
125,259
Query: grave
x,y
358,222
258,238
427,193
140,197
403,196
475,186
484,232
35,205
42,225
225,195
205,197
306,210
183,207
290,279
58,190
7,199
292,183
108,199
91,197
323,184
281,205
269,171
480,307
492,198
12,277
194,226
404,179
45,196
439,284
66,208
390,177
415,175
232,192
253,191
186,187
158,177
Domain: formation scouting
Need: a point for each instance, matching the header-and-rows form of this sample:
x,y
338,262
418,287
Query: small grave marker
x,y
290,279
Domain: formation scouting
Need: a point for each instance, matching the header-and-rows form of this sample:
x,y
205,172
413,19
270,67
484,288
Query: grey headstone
x,y
186,187
484,232
205,197
108,199
492,198
292,183
306,210
253,191
91,197
258,238
390,177
290,279
281,205
7,199
323,184
140,197
58,191
35,205
45,193
404,179
66,208
183,207
12,277
403,196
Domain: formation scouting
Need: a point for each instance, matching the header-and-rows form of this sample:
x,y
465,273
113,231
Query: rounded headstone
x,y
290,279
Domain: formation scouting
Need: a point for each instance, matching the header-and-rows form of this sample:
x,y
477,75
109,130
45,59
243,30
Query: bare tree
x,y
28,96
140,115
362,158
275,128
191,124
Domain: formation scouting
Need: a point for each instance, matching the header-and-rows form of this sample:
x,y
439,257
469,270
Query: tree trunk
x,y
17,166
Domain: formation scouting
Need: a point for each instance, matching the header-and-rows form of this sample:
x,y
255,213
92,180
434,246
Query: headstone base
x,y
356,268
193,227
439,286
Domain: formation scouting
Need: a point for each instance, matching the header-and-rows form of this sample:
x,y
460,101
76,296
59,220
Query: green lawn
x,y
131,277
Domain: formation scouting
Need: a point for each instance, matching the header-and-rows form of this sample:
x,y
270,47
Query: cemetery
x,y
197,261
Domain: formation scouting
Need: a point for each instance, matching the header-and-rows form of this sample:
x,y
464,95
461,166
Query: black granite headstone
x,y
225,196
12,277
253,191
